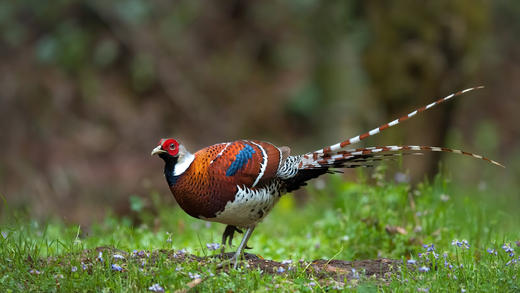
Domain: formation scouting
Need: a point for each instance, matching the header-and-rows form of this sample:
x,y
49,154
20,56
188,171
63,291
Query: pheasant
x,y
238,183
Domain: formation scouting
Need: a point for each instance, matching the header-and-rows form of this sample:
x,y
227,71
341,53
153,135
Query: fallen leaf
x,y
190,285
395,229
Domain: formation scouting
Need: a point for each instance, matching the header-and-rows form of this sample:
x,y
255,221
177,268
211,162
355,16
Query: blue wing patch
x,y
241,160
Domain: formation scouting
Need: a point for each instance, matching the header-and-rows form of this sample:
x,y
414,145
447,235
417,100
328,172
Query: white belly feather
x,y
250,206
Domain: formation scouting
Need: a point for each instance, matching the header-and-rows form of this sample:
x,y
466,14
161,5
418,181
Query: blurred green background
x,y
87,88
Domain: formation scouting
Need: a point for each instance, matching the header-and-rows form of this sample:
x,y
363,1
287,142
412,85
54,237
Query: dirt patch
x,y
339,270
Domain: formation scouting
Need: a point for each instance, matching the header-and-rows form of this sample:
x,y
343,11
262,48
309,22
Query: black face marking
x,y
169,168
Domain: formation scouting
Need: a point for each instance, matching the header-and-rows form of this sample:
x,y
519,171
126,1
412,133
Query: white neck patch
x,y
184,161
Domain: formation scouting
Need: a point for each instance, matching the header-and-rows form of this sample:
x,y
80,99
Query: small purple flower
x,y
456,242
100,256
423,289
424,269
491,251
74,269
4,234
286,262
140,253
280,270
312,284
179,253
213,246
178,269
429,248
355,274
83,266
507,248
411,261
118,256
156,288
193,275
34,272
465,244
462,290
117,268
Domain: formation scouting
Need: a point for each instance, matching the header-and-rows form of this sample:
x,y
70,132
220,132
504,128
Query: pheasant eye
x,y
172,146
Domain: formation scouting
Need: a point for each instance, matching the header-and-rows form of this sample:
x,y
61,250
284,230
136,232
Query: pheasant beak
x,y
157,150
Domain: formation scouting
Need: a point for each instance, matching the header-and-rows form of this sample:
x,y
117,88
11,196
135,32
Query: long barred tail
x,y
356,139
336,156
359,157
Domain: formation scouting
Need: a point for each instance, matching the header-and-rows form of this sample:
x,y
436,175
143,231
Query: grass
x,y
342,220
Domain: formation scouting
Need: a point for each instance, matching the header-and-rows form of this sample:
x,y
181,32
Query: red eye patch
x,y
170,145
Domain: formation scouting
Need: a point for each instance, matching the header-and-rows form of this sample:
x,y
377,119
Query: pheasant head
x,y
176,157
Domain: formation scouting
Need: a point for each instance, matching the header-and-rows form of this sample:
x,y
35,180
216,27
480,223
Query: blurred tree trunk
x,y
416,58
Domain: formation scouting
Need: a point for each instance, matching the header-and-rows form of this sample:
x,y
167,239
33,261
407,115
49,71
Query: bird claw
x,y
233,260
228,233
227,236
